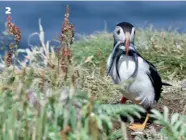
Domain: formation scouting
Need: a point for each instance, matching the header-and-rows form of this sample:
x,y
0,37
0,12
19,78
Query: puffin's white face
x,y
119,35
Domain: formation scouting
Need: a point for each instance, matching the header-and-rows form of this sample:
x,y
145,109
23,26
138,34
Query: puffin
x,y
138,77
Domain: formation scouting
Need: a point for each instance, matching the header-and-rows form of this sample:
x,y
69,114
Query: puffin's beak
x,y
127,43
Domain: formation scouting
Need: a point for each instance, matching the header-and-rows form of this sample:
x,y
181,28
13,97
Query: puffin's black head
x,y
124,32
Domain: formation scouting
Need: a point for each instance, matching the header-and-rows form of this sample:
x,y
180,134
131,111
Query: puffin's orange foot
x,y
140,127
137,127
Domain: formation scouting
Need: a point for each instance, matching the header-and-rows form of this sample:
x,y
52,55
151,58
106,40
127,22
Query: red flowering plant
x,y
8,57
16,32
66,40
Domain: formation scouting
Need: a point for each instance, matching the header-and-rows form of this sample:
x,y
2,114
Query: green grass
x,y
37,103
166,50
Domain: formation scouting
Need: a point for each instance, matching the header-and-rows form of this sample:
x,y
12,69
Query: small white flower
x,y
92,114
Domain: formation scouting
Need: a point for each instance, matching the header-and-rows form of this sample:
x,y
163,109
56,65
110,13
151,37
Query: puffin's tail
x,y
166,84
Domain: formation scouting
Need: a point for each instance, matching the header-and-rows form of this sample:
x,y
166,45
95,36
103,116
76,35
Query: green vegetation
x,y
166,50
65,94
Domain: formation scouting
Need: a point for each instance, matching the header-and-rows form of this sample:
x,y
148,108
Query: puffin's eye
x,y
118,32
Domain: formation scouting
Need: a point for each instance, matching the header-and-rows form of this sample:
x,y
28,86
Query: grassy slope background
x,y
164,49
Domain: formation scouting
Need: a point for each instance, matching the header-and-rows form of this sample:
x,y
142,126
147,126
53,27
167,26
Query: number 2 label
x,y
8,10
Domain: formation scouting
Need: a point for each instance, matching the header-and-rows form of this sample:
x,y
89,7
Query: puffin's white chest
x,y
126,68
140,88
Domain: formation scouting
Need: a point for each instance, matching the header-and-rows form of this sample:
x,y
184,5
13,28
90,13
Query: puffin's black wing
x,y
155,79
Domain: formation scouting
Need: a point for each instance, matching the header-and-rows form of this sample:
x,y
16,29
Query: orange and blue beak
x,y
127,42
127,47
